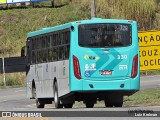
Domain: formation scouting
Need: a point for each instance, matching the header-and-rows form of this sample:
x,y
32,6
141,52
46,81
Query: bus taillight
x,y
134,66
77,71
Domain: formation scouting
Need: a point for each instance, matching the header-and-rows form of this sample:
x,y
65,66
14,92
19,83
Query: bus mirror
x,y
72,28
23,51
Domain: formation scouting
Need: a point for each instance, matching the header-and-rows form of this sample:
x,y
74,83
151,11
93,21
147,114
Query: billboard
x,y
149,43
19,1
16,1
2,1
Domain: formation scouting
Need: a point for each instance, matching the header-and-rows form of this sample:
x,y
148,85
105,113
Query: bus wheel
x,y
56,98
39,104
89,105
120,104
108,104
68,105
33,92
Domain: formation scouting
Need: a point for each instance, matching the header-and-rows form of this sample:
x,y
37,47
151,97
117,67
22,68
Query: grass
x,y
13,79
149,97
16,23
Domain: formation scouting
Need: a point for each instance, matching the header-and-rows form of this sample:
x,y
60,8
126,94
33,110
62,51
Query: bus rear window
x,y
104,35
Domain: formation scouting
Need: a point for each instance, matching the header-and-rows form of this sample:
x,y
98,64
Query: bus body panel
x,y
116,61
44,75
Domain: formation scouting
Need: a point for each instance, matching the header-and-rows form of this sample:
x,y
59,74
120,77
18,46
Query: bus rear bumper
x,y
128,85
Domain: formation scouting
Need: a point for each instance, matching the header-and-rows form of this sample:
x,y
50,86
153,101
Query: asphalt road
x,y
14,99
150,82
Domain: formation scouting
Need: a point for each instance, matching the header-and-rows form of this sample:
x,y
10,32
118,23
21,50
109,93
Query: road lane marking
x,y
3,101
19,90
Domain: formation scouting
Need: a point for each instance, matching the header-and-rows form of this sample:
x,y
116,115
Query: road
x,y
150,82
15,99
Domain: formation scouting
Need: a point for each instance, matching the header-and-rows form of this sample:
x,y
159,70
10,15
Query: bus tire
x,y
89,105
108,104
39,104
33,92
56,98
118,104
68,105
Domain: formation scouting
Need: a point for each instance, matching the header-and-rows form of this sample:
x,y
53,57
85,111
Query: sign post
x,y
4,75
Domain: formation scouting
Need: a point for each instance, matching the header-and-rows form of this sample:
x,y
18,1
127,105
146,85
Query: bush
x,y
12,82
13,79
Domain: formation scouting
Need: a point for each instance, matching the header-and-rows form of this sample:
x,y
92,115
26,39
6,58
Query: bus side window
x,y
44,55
34,54
55,54
39,56
66,51
48,42
28,52
43,42
33,44
61,53
50,54
63,37
60,38
67,37
54,40
39,42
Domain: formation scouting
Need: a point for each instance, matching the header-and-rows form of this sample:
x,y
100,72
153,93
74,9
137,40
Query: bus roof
x,y
68,25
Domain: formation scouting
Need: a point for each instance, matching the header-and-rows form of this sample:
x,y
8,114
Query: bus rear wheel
x,y
108,104
68,105
116,101
118,104
89,105
56,98
39,104
33,92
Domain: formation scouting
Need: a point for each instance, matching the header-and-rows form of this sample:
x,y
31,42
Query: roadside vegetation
x,y
149,97
16,22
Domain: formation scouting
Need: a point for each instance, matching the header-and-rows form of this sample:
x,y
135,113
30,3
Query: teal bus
x,y
86,60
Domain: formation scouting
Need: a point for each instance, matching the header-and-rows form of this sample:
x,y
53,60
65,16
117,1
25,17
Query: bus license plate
x,y
106,72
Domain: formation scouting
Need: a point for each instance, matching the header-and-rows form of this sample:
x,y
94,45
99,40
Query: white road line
x,y
19,90
3,101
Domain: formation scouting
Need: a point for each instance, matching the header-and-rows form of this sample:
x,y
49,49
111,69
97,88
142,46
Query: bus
x,y
87,60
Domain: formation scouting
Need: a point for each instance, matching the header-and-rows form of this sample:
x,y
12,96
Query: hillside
x,y
15,23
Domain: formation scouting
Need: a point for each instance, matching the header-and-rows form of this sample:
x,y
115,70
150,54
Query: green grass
x,y
13,79
149,97
16,23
